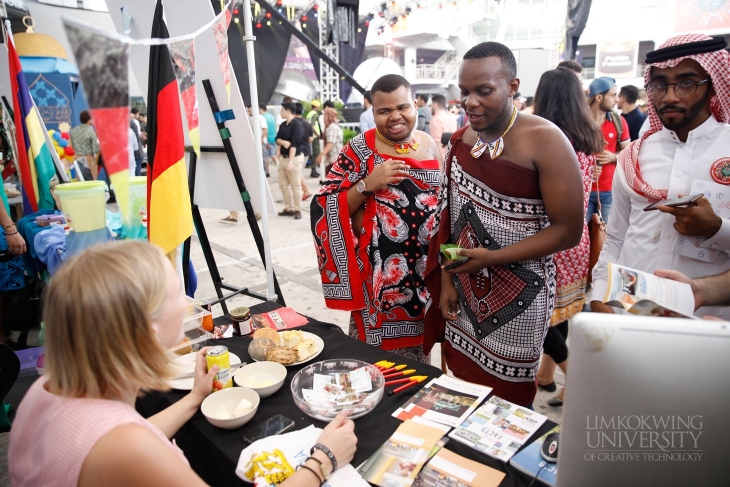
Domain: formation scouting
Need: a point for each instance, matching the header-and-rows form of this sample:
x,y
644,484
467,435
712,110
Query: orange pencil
x,y
399,374
410,384
394,369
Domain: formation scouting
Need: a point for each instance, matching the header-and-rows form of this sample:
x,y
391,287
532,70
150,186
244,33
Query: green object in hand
x,y
450,251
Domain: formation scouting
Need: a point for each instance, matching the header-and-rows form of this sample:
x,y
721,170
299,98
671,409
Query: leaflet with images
x,y
398,461
447,469
445,400
498,428
645,294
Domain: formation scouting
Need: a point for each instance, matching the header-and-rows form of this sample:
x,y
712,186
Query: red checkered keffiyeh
x,y
717,65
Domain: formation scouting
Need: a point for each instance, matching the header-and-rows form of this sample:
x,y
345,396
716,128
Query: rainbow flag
x,y
34,162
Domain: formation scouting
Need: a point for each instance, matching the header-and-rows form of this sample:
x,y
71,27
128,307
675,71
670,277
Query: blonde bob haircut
x,y
98,312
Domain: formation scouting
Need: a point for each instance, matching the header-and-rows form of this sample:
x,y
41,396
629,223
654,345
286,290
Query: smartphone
x,y
684,201
272,426
458,263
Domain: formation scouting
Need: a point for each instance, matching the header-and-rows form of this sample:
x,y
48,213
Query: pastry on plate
x,y
258,348
305,349
291,338
282,355
269,333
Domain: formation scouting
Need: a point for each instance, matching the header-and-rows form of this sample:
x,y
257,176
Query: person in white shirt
x,y
367,120
687,145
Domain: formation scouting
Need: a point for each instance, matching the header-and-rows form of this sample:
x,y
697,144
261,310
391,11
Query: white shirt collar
x,y
704,129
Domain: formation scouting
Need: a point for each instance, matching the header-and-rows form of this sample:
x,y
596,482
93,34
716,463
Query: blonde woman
x,y
111,313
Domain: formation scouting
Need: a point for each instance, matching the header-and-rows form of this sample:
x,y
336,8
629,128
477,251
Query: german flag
x,y
170,218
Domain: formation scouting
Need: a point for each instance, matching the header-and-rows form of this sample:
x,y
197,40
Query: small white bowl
x,y
227,400
263,377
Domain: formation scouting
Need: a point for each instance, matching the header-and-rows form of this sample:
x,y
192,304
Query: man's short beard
x,y
689,116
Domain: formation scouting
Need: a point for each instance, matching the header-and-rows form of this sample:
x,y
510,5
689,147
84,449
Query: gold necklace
x,y
496,146
400,148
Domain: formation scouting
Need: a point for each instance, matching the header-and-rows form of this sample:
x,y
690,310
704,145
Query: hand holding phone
x,y
457,263
682,202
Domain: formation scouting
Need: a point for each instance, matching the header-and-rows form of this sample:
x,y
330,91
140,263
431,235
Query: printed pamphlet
x,y
498,428
447,469
445,400
279,319
399,460
645,294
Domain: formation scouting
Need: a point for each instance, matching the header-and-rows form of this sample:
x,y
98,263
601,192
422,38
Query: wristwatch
x,y
362,189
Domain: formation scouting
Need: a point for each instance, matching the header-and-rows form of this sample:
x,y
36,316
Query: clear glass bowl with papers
x,y
323,389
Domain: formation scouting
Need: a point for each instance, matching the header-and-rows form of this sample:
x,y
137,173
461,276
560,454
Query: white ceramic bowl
x,y
227,400
263,377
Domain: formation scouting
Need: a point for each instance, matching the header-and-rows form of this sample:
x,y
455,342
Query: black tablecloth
x,y
213,453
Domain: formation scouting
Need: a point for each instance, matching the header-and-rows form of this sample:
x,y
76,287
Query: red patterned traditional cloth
x,y
572,264
497,338
378,274
717,65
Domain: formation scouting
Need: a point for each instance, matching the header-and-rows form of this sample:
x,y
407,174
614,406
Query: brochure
x,y
645,294
498,428
447,469
279,319
445,400
399,460
530,462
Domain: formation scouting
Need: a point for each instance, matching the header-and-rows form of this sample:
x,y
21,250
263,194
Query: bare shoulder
x,y
133,455
541,134
427,143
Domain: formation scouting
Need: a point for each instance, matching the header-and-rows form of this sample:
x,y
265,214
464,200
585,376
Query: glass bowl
x,y
358,403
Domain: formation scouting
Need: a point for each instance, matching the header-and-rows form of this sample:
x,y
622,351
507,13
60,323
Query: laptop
x,y
647,403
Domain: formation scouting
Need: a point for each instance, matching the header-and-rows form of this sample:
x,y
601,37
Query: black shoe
x,y
555,402
321,183
297,215
314,174
287,213
548,387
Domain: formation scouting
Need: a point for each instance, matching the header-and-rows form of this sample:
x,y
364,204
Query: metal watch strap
x,y
326,451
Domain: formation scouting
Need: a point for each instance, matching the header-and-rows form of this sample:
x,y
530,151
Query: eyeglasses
x,y
658,89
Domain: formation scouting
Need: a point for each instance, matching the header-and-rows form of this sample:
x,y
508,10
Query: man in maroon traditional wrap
x,y
511,196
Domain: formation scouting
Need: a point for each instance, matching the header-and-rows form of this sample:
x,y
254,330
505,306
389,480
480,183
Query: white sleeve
x,y
618,225
721,240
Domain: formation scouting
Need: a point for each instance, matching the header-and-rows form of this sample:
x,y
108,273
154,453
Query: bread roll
x,y
269,333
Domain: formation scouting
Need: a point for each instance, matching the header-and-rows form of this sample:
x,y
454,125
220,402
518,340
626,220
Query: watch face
x,y
361,186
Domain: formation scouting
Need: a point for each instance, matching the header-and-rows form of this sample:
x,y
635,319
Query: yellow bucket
x,y
83,205
137,201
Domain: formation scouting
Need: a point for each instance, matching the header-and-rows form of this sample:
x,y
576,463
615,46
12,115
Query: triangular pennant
x,y
103,63
183,62
220,31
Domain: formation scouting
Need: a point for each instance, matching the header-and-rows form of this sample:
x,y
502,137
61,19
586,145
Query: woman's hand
x,y
16,244
203,377
339,437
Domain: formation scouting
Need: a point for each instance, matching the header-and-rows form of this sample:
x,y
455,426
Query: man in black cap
x,y
684,152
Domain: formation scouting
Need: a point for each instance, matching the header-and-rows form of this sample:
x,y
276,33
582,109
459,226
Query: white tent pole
x,y
249,39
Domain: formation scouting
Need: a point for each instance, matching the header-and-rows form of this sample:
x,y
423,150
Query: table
x,y
213,453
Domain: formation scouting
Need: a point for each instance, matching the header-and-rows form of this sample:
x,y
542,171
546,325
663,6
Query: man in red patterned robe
x,y
371,222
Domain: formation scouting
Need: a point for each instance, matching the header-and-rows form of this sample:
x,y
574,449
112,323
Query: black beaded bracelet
x,y
321,482
326,451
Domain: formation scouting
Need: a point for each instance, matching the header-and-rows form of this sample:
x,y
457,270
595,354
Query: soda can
x,y
218,355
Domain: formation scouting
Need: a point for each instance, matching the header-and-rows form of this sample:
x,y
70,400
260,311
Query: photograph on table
x,y
447,469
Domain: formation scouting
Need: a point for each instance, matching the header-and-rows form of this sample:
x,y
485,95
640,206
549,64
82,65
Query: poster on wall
x,y
701,15
617,58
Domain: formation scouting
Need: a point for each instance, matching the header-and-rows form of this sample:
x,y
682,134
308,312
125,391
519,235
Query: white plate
x,y
185,365
318,342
